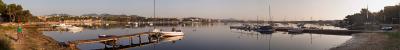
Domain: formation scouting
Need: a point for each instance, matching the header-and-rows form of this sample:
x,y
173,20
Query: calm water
x,y
208,37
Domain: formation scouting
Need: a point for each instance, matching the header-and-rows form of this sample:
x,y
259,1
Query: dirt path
x,y
367,41
32,40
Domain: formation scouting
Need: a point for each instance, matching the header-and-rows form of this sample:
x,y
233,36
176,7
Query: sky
x,y
291,10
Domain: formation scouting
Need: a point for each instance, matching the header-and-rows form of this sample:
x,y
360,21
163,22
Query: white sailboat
x,y
171,33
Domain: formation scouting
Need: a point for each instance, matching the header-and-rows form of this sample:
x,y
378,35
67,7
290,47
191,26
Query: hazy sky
x,y
239,9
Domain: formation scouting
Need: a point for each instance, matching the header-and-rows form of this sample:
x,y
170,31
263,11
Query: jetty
x,y
150,36
145,43
316,31
322,31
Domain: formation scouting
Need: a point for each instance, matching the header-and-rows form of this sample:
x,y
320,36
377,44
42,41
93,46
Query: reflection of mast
x,y
269,42
291,36
311,38
269,14
154,16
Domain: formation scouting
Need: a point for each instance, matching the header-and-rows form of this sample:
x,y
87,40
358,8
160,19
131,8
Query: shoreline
x,y
31,39
367,41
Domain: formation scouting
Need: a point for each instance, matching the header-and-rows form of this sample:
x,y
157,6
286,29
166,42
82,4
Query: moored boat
x,y
172,39
171,33
74,29
62,25
295,30
265,29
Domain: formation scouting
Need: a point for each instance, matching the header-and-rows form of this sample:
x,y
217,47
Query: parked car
x,y
387,28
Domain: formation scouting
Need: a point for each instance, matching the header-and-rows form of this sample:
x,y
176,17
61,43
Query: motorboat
x,y
171,33
62,25
74,29
172,39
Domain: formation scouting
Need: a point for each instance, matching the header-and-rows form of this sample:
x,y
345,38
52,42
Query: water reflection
x,y
150,41
297,31
216,36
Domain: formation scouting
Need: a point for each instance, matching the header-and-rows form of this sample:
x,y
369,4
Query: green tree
x,y
359,18
12,11
15,13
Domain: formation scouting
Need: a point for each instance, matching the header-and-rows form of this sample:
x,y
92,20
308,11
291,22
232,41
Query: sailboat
x,y
172,33
266,28
169,33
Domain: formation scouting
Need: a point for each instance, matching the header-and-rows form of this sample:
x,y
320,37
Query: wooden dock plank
x,y
108,39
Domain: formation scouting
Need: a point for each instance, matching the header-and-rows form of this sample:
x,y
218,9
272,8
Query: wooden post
x,y
140,40
149,37
105,46
158,37
130,40
114,44
72,46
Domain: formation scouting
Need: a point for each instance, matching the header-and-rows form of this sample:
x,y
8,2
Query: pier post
x,y
114,44
140,40
72,46
149,37
130,40
157,35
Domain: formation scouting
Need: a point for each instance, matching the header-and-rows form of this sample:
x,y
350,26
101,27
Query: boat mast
x,y
154,8
154,12
269,14
269,11
258,20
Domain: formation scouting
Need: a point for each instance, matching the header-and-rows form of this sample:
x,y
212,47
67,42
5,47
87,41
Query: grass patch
x,y
395,35
7,27
393,41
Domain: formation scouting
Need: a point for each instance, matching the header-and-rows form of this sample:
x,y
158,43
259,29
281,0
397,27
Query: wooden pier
x,y
319,31
323,31
73,44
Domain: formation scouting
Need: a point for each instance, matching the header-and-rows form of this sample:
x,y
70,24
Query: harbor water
x,y
214,36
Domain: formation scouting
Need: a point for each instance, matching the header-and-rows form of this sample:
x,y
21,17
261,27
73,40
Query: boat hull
x,y
172,33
